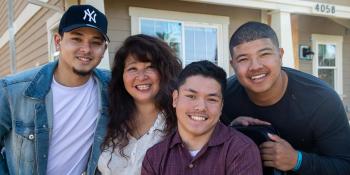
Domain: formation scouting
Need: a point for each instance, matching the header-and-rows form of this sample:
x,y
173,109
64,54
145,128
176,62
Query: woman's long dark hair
x,y
121,105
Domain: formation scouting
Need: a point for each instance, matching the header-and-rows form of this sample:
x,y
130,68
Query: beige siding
x,y
305,66
3,17
119,19
31,40
4,61
19,5
18,8
346,72
304,38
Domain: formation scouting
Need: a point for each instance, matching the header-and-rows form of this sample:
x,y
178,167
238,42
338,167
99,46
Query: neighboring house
x,y
195,29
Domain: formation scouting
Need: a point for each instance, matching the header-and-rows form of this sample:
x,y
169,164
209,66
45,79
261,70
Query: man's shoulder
x,y
159,149
303,78
21,77
240,144
238,139
307,85
165,143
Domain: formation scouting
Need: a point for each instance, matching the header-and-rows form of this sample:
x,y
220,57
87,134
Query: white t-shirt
x,y
135,150
194,153
75,110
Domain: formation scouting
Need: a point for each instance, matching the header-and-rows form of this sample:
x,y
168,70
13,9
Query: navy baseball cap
x,y
83,16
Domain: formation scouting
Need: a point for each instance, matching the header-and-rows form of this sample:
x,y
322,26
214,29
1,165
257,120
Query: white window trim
x,y
51,24
338,41
222,22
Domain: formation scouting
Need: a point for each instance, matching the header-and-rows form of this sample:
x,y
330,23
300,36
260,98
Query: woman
x,y
141,112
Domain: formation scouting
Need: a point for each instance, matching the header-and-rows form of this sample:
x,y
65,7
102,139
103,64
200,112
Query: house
x,y
315,34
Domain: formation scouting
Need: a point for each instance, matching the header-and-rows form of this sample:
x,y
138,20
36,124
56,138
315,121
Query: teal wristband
x,y
300,158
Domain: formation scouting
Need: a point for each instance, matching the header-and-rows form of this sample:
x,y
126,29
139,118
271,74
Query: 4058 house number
x,y
326,9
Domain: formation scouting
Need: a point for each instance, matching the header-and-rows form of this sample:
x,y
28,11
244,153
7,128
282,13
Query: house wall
x,y
3,17
315,25
120,22
320,25
5,60
31,39
346,71
19,5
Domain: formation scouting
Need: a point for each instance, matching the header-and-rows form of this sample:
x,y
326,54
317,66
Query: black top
x,y
310,116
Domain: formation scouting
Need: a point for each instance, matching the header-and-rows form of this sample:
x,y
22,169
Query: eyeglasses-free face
x,y
141,80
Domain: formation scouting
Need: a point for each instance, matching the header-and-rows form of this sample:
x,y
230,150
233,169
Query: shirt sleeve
x,y
331,134
147,168
247,162
5,125
5,115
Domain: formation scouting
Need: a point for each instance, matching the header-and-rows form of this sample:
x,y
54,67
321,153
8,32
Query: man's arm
x,y
331,134
332,141
5,125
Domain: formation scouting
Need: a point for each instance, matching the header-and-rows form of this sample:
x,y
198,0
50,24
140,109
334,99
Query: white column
x,y
281,23
101,7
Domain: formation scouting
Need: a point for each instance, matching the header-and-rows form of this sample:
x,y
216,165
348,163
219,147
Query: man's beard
x,y
82,73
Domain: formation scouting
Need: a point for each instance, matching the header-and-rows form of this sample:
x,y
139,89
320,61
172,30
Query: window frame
x,y
187,19
213,26
318,39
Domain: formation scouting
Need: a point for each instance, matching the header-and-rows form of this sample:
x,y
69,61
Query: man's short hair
x,y
251,31
206,69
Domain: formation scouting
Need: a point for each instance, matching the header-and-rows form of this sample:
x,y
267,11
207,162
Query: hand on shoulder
x,y
245,121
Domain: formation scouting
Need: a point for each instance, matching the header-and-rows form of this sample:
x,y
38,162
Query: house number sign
x,y
325,9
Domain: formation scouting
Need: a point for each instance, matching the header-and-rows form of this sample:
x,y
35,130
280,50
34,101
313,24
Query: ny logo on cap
x,y
91,15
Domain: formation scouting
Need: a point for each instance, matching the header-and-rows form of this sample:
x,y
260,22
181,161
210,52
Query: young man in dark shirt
x,y
202,144
309,115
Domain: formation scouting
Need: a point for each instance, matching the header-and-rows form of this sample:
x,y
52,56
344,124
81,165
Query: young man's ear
x,y
231,62
175,97
281,50
57,39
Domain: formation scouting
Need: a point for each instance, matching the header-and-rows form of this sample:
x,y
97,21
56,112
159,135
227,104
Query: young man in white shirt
x,y
53,118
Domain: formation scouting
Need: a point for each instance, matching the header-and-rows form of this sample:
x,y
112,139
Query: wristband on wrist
x,y
298,164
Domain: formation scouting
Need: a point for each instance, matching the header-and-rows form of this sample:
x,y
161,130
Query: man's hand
x,y
245,121
278,153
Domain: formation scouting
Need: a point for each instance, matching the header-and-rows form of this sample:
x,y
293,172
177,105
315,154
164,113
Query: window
x,y
201,44
327,62
193,37
169,31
